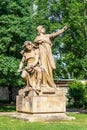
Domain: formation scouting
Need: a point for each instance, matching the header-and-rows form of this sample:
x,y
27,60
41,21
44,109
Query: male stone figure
x,y
32,72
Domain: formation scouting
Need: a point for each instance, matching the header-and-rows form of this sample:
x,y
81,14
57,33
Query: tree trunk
x,y
10,94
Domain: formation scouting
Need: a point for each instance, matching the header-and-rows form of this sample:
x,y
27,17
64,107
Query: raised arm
x,y
55,34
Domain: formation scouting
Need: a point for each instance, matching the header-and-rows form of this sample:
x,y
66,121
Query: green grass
x,y
7,123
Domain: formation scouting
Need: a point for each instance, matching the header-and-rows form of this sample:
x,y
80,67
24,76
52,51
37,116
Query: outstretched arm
x,y
55,34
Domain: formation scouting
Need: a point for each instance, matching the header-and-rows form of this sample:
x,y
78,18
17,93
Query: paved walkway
x,y
74,110
68,111
7,113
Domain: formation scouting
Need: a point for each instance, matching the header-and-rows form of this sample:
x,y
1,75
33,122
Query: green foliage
x,y
8,71
77,94
15,23
85,96
74,50
18,22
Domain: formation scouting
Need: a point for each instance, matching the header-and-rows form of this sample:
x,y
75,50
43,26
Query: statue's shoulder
x,y
25,54
48,35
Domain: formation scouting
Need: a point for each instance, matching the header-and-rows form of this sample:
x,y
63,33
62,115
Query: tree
x,y
15,22
73,46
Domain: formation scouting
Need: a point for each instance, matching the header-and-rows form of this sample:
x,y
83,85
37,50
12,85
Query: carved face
x,y
29,47
40,29
43,30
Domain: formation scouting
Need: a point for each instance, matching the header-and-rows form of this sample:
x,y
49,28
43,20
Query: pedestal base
x,y
42,117
49,106
41,104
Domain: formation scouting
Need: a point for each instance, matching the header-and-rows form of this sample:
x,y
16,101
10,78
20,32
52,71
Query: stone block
x,y
41,104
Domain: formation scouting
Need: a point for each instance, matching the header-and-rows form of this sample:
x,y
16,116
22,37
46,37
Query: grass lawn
x,y
7,123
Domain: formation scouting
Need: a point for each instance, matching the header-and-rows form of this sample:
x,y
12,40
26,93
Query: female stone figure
x,y
44,42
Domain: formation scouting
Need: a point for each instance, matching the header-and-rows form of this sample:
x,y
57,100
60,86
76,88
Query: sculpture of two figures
x,y
39,61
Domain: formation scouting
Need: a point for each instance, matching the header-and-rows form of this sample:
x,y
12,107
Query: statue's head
x,y
28,45
40,29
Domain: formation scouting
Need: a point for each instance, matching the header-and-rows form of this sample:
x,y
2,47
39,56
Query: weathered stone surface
x,y
42,117
50,103
49,106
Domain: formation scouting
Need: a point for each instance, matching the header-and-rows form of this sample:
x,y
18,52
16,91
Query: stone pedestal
x,y
41,104
49,106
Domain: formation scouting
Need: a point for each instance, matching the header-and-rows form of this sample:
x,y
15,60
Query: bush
x,y
85,97
77,95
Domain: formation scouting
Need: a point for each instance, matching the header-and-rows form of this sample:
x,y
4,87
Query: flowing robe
x,y
47,61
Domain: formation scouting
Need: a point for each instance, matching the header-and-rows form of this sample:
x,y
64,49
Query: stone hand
x,y
65,28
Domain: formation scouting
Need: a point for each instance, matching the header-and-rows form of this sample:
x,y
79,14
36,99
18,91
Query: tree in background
x,y
16,26
74,14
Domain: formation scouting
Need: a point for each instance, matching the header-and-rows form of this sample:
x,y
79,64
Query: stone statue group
x,y
37,62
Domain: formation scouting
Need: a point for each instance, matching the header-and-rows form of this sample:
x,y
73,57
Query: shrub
x,y
85,97
77,95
